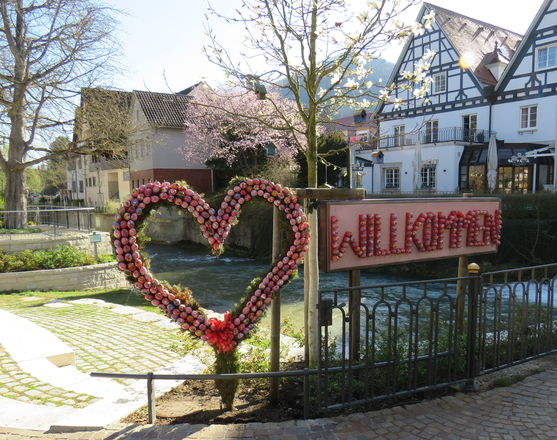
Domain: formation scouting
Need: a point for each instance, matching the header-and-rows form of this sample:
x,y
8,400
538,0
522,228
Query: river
x,y
219,282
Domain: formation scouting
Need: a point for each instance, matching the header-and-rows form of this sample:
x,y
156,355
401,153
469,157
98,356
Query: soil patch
x,y
198,402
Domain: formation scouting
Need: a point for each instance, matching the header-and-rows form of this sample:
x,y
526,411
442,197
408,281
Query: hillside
x,y
381,70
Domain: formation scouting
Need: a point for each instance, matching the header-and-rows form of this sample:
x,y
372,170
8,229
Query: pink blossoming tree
x,y
234,125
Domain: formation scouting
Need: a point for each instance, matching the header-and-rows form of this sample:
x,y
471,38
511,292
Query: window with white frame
x,y
399,132
547,57
431,131
529,117
392,178
470,125
439,82
429,176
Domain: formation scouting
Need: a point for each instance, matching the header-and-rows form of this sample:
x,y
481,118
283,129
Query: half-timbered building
x,y
485,80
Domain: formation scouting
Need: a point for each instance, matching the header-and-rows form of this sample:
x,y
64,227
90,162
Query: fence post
x,y
306,393
474,291
151,402
461,287
354,301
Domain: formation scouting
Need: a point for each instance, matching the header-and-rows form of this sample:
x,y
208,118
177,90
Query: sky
x,y
162,41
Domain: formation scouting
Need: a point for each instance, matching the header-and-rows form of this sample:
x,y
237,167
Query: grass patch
x,y
30,299
508,381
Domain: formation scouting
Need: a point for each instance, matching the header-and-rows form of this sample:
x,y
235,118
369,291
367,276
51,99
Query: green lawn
x,y
124,297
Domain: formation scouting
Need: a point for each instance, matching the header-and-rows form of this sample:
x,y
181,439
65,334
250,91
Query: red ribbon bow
x,y
221,333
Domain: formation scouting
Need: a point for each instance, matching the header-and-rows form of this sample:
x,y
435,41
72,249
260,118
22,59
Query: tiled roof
x,y
474,39
163,109
347,124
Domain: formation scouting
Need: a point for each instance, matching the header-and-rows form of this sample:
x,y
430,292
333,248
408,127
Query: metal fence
x,y
517,320
49,220
387,341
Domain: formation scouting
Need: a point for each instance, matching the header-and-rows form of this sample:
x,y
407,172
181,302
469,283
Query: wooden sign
x,y
376,232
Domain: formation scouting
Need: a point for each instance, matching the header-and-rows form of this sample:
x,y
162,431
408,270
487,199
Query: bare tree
x,y
50,49
301,43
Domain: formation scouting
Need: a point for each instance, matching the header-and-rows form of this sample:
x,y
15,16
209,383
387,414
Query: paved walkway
x,y
526,410
91,408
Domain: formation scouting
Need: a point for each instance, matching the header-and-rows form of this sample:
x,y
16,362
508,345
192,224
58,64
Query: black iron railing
x,y
446,134
401,339
388,341
48,220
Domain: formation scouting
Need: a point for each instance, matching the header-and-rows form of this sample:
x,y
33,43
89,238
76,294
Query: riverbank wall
x,y
95,276
251,235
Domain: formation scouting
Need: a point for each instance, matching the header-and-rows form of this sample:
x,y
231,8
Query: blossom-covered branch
x,y
220,124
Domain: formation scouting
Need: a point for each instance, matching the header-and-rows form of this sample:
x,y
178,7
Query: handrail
x,y
151,377
52,209
51,217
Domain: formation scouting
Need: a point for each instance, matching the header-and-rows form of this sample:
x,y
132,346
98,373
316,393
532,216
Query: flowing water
x,y
219,282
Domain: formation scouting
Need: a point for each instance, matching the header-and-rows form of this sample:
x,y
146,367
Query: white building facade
x,y
485,80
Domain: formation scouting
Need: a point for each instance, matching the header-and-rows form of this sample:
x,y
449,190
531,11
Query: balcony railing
x,y
448,134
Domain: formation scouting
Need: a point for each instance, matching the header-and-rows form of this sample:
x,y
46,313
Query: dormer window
x,y
547,57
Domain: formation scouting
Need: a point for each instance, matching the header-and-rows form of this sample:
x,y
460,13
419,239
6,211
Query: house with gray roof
x,y
153,153
486,80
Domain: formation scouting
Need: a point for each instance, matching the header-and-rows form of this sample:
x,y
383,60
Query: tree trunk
x,y
311,262
15,200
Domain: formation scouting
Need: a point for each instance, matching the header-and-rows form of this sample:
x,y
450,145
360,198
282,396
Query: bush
x,y
107,258
59,257
19,231
62,256
539,206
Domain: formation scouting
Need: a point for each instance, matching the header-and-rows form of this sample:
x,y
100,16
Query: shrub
x,y
19,231
106,258
59,257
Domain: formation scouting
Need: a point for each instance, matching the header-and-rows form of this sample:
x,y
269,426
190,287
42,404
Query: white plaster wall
x,y
162,146
506,121
446,154
165,151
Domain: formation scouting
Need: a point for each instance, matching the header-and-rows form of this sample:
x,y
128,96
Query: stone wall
x,y
253,232
41,242
97,276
